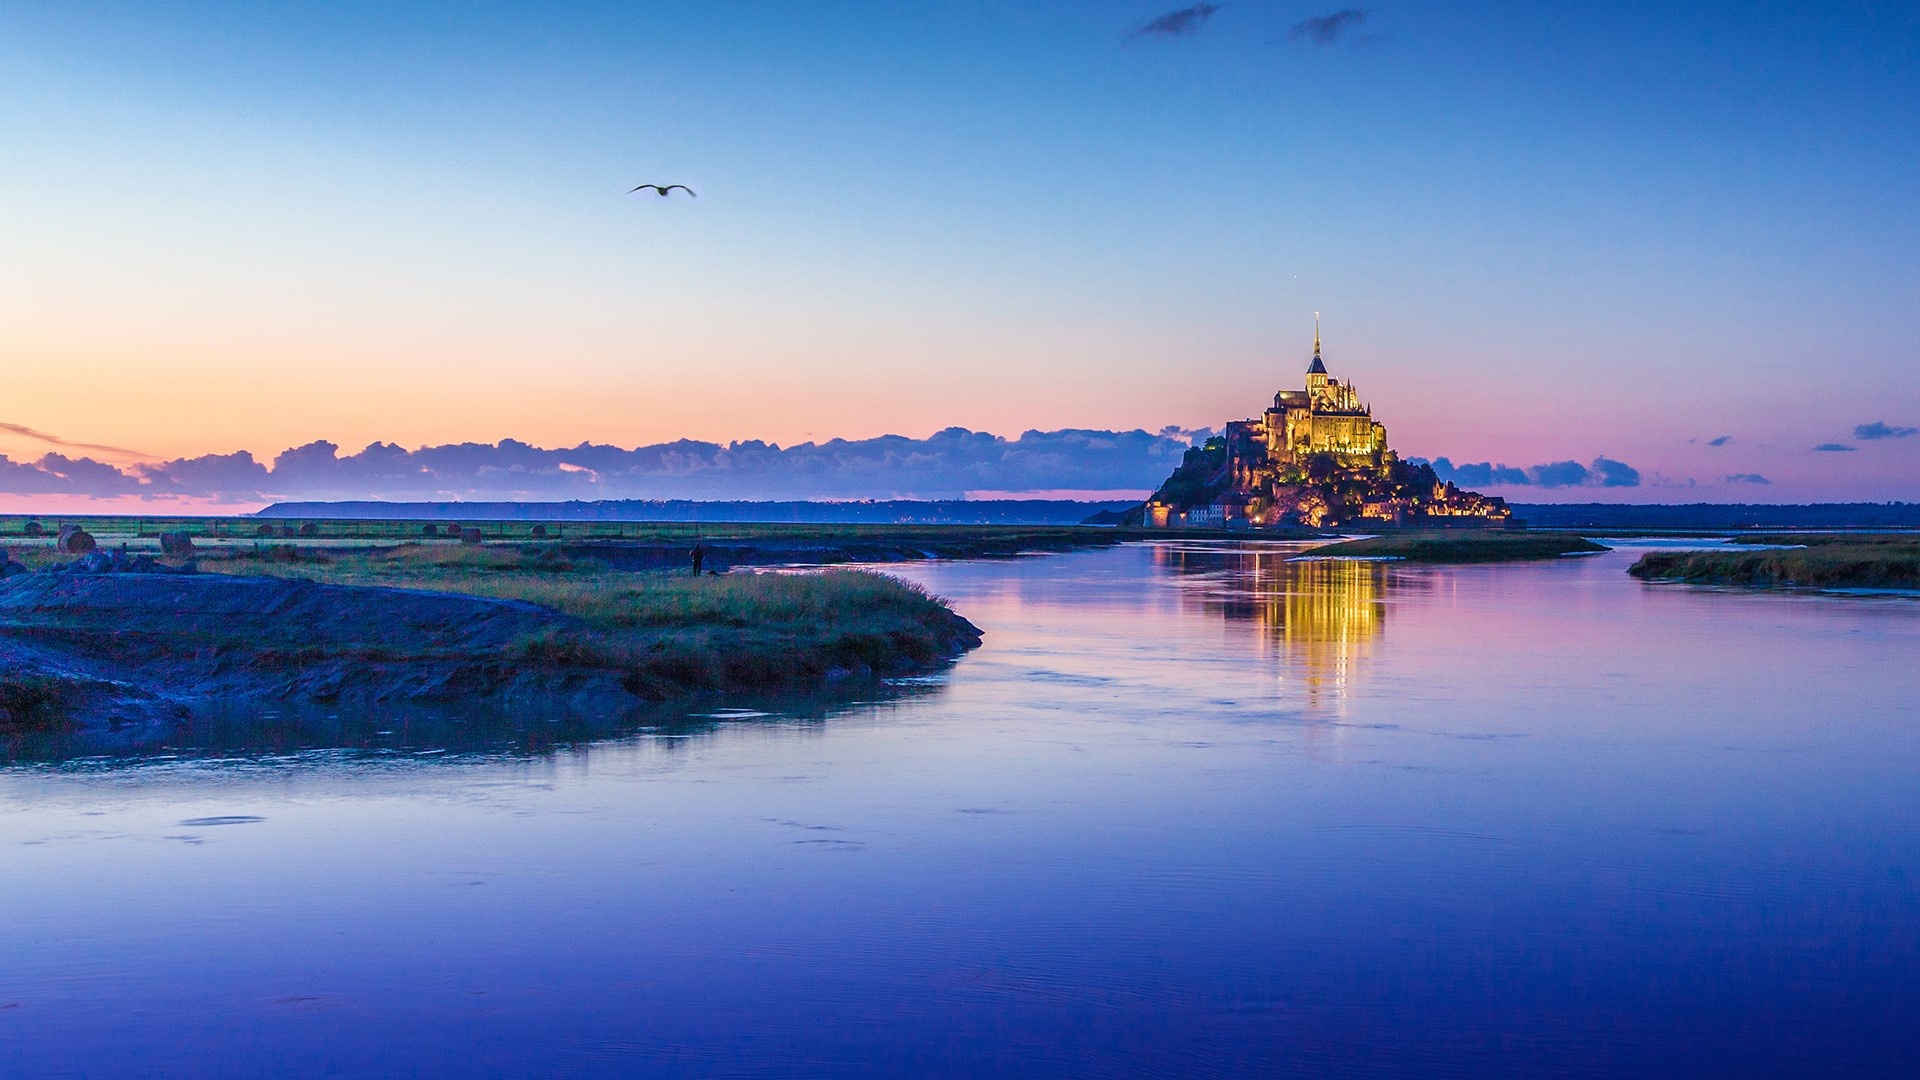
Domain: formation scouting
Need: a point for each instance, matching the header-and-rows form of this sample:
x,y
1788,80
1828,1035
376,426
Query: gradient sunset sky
x,y
1682,237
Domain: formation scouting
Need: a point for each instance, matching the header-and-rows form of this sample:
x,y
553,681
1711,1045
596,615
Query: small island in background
x,y
1318,459
1460,547
1794,560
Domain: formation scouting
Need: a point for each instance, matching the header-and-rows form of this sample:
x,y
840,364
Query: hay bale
x,y
429,529
287,532
310,529
176,543
264,530
540,532
469,535
74,540
34,528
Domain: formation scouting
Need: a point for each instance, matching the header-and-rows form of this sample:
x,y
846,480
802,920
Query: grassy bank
x,y
1477,546
425,624
1829,539
671,633
29,704
1832,561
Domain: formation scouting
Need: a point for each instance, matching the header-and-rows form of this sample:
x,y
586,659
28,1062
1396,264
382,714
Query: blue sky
x,y
1538,233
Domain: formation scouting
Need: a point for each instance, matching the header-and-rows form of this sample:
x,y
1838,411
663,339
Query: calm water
x,y
1191,811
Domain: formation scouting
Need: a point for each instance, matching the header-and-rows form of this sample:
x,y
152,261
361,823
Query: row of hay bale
x,y
285,530
467,534
74,540
70,540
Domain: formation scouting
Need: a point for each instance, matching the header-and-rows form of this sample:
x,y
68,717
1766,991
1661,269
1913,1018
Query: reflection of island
x,y
1322,616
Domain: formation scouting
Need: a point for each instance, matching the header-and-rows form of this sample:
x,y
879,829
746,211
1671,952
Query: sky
x,y
1677,239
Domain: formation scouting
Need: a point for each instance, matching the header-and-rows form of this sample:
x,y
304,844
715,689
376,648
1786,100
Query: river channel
x,y
1192,810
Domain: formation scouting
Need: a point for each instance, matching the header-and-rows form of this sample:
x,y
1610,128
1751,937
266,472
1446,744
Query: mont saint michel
x,y
674,540
1317,457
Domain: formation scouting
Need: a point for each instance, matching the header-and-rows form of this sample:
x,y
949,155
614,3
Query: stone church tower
x,y
1325,418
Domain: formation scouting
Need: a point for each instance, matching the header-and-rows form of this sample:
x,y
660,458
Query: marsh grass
x,y
609,599
671,633
1833,561
1462,546
1867,540
34,556
30,704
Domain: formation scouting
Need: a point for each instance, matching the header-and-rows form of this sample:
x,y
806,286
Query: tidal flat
x,y
1191,810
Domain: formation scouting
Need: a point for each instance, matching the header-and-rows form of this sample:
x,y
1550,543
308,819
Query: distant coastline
x,y
1662,516
799,511
1720,517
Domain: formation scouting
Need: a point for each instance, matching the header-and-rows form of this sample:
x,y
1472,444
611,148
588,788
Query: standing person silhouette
x,y
699,556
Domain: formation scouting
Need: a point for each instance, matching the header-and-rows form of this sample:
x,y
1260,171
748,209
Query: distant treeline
x,y
876,512
1720,516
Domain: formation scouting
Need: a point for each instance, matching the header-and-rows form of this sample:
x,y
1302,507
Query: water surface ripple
x,y
1193,810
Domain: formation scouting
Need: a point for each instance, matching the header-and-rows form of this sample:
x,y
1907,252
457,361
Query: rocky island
x,y
1317,458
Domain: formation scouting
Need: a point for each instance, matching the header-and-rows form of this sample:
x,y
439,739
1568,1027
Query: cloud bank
x,y
946,465
1603,472
1836,448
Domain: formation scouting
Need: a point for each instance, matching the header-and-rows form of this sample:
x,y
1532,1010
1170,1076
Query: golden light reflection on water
x,y
1322,618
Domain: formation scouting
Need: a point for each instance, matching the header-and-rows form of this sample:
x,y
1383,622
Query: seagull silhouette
x,y
662,191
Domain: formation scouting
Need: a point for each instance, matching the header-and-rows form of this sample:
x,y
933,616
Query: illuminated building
x,y
1317,457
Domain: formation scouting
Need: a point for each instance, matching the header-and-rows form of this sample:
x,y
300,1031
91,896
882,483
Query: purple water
x,y
1191,811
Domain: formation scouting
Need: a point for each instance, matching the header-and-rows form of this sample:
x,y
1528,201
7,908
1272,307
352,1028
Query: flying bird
x,y
662,191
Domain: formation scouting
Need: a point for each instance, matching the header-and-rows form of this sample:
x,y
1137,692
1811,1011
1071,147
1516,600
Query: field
x,y
144,532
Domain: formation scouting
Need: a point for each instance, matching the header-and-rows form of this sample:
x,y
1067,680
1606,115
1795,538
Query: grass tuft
x,y
30,704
